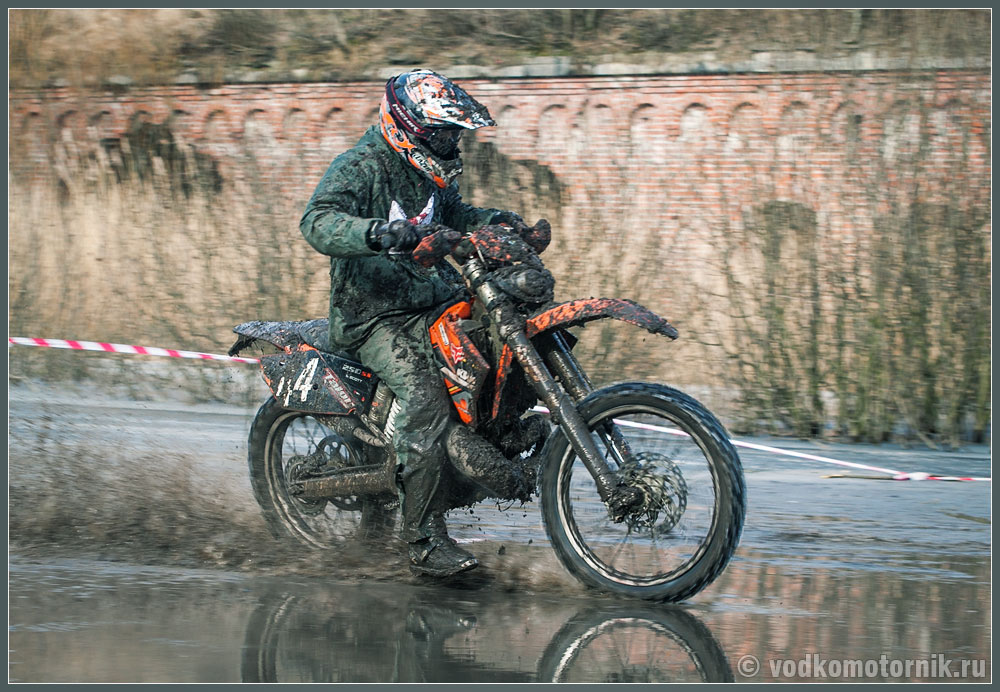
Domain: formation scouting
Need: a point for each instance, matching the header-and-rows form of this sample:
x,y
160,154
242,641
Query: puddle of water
x,y
128,623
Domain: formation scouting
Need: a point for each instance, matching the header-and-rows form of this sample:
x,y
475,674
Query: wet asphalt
x,y
137,555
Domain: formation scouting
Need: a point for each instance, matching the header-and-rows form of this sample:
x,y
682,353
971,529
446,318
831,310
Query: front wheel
x,y
286,444
635,643
672,450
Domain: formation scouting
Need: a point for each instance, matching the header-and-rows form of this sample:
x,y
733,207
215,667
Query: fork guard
x,y
578,312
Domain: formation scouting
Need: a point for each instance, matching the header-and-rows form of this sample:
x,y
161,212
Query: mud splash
x,y
160,513
167,484
123,491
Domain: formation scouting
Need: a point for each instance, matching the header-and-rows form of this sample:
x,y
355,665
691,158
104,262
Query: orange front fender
x,y
577,312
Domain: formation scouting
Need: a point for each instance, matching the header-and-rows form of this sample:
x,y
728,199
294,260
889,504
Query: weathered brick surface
x,y
659,189
672,159
592,132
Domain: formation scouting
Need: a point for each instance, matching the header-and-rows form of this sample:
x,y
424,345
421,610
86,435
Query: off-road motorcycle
x,y
641,491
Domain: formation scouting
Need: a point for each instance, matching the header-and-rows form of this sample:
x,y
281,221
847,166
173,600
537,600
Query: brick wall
x,y
605,138
660,189
663,163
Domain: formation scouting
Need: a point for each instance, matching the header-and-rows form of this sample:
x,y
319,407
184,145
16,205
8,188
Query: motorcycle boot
x,y
438,555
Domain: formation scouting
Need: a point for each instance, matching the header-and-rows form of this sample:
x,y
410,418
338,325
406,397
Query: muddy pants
x,y
399,352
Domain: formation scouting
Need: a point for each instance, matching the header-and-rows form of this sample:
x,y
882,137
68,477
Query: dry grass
x,y
154,46
813,331
88,46
867,335
141,258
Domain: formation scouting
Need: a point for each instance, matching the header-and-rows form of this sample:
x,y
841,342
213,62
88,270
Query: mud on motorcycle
x,y
642,494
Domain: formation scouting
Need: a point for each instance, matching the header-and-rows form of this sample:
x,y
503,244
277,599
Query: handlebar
x,y
440,243
436,246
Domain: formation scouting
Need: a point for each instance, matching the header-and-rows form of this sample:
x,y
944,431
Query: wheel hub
x,y
663,492
331,454
298,469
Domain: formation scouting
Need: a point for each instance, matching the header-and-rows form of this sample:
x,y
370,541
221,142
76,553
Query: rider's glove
x,y
396,235
507,217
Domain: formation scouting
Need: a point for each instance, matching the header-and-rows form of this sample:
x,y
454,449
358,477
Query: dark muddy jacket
x,y
355,194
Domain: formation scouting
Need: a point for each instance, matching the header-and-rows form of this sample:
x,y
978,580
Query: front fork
x,y
511,327
563,364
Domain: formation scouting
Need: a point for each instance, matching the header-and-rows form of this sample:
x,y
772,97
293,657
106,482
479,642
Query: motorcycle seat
x,y
316,333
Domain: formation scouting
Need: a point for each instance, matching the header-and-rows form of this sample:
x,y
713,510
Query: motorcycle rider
x,y
384,194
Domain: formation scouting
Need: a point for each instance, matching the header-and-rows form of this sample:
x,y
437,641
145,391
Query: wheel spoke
x,y
622,544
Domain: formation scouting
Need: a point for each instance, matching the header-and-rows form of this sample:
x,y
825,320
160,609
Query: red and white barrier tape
x,y
892,474
123,348
172,353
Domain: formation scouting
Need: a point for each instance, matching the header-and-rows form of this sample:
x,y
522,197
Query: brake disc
x,y
664,492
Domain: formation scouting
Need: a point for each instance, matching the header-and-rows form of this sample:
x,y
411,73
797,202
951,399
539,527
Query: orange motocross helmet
x,y
422,117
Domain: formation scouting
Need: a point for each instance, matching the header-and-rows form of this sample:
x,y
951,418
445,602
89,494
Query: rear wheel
x,y
287,445
672,450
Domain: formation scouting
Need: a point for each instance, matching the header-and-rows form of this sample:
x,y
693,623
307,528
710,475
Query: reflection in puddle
x,y
320,636
917,608
82,621
144,624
